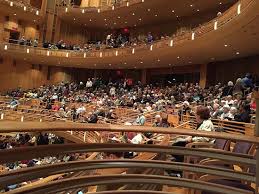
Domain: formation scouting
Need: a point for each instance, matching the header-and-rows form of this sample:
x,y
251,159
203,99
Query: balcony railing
x,y
198,32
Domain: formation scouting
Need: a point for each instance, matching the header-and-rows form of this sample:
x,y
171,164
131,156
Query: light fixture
x,y
141,62
47,53
67,55
151,47
178,57
5,47
27,50
11,3
198,10
14,14
24,8
171,43
127,4
170,64
215,25
226,45
90,20
239,8
191,5
98,10
158,60
142,1
193,35
84,55
156,15
116,53
74,19
113,7
133,13
66,10
110,64
101,54
83,11
237,53
172,11
133,51
148,9
37,12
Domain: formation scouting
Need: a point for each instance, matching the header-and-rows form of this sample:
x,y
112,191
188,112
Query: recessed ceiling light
x,y
110,64
14,14
141,62
133,13
172,11
220,3
198,10
237,53
170,64
126,22
139,19
178,57
158,60
191,5
119,17
125,63
104,19
226,45
148,9
90,20
156,15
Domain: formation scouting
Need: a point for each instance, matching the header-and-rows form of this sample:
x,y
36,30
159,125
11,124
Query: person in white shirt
x,y
226,113
80,110
89,83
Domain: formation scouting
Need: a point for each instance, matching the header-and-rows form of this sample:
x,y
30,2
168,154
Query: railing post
x,y
256,96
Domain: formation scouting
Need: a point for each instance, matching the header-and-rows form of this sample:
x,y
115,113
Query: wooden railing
x,y
233,127
13,177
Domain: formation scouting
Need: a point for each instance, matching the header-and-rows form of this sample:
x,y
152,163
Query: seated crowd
x,y
111,41
228,102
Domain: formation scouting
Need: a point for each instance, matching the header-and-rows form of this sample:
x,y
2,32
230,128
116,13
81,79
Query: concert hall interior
x,y
129,96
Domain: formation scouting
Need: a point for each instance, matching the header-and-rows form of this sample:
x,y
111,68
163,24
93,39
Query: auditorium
x,y
129,96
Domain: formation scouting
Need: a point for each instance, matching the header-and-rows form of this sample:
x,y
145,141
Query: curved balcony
x,y
218,39
204,174
128,13
23,11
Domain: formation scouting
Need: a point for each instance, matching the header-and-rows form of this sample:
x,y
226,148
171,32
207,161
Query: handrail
x,y
102,8
14,177
7,127
71,183
226,17
12,155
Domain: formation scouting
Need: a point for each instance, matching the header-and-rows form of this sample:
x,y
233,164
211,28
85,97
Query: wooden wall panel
x,y
233,69
25,75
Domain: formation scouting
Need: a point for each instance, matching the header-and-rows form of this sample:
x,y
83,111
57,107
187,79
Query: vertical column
x,y
49,27
203,75
43,7
256,96
144,76
57,30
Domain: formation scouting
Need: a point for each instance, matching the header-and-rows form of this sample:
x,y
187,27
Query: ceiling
x,y
237,38
148,12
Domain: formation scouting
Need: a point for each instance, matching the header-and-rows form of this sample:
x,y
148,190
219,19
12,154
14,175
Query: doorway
x,y
14,36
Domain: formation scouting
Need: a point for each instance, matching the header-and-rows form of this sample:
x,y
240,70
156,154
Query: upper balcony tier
x,y
133,13
22,10
233,34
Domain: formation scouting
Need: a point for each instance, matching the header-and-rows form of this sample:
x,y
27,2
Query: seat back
x,y
242,147
222,144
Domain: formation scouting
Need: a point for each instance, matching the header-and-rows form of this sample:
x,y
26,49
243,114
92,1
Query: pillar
x,y
203,75
144,76
43,7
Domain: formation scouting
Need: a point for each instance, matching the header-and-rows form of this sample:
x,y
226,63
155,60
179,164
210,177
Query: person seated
x,y
141,119
225,115
244,115
204,124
